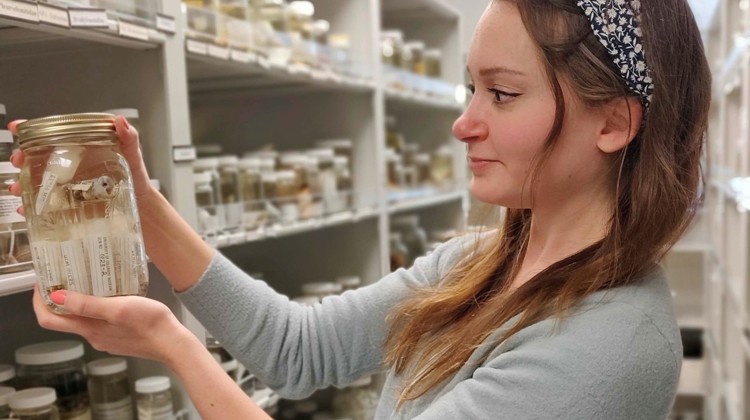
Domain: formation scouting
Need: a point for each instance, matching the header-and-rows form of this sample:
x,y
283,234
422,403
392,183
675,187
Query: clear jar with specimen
x,y
344,184
391,47
287,191
5,392
6,145
80,206
59,365
254,210
326,176
210,166
416,48
7,375
422,161
442,167
341,147
300,29
34,404
208,220
399,252
203,23
154,398
231,194
15,251
109,389
433,60
394,139
395,169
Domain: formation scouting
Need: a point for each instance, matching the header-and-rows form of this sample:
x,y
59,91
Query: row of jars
x,y
52,381
276,29
408,168
235,194
411,56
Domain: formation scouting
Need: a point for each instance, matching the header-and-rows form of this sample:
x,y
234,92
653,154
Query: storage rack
x,y
184,91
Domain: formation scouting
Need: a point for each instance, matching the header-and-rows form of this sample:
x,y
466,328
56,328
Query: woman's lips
x,y
477,164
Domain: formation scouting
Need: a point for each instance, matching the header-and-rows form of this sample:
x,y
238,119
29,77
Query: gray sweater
x,y
617,357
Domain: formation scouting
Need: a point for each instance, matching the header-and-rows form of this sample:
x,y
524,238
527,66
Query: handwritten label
x,y
197,47
129,30
166,24
19,10
88,18
54,15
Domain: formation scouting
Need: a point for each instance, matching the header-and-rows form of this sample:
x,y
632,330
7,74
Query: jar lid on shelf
x,y
349,281
205,164
61,127
202,178
269,177
415,45
49,352
6,136
321,288
107,366
304,8
228,160
129,113
322,153
335,143
152,384
8,168
7,372
5,393
32,398
433,53
286,175
250,163
341,161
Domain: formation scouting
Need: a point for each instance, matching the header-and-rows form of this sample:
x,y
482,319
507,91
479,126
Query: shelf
x,y
413,100
692,381
215,69
17,282
403,201
279,231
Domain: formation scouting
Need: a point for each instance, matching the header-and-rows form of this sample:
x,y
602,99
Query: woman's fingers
x,y
83,305
63,323
17,158
130,146
13,126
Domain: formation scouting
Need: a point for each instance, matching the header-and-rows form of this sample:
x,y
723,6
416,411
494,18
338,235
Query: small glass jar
x,y
154,399
395,169
442,167
203,23
34,404
60,365
231,194
299,18
5,393
7,375
394,139
109,389
422,163
251,185
349,282
326,176
321,290
6,145
210,166
412,235
3,116
208,223
274,12
433,60
416,48
391,47
287,190
341,147
358,401
269,180
15,251
80,207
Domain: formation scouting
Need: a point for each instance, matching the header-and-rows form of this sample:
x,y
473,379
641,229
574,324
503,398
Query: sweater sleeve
x,y
297,349
586,372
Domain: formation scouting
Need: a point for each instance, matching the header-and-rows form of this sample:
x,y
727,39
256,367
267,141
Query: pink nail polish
x,y
58,297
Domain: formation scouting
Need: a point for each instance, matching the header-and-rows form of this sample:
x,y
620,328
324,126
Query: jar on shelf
x,y
326,176
83,221
210,166
202,22
5,393
274,12
349,282
287,190
154,398
231,194
344,184
391,47
34,404
321,290
6,145
399,253
422,163
208,221
251,185
395,169
7,375
416,48
109,389
394,139
442,167
412,235
3,116
433,60
59,365
358,401
299,18
234,8
15,251
341,147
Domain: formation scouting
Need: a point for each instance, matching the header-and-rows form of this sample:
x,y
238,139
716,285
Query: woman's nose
x,y
469,127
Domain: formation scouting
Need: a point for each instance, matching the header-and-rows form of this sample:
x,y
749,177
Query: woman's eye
x,y
471,88
501,96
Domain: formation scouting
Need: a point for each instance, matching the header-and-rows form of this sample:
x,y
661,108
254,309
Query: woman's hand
x,y
127,325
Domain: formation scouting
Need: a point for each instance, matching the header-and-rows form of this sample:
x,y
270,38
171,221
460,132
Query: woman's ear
x,y
623,118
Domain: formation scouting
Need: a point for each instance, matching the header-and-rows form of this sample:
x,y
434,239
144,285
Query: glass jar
x,y
287,189
274,12
109,389
399,252
394,139
416,48
422,163
391,47
349,282
6,145
299,18
3,116
57,364
441,167
231,194
251,186
326,176
344,184
154,399
80,207
34,404
5,393
208,223
7,375
321,290
269,181
210,166
203,23
358,401
395,169
15,251
412,235
433,61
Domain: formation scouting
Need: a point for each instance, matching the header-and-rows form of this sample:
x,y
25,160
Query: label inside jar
x,y
155,412
102,264
49,180
113,410
46,256
8,206
74,269
127,264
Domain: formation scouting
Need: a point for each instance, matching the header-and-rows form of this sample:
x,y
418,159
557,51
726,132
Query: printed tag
x,y
8,210
166,24
197,47
17,9
183,153
49,180
46,256
54,15
129,30
127,264
102,264
88,18
74,271
216,51
156,412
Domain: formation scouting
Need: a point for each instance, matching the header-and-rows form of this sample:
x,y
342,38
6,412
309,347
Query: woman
x,y
587,122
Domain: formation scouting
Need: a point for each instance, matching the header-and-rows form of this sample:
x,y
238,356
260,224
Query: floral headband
x,y
616,25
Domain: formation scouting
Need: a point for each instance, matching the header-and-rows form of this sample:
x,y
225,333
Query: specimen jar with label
x,y
15,251
80,206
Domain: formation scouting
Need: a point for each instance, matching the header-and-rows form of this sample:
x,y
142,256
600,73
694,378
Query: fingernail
x,y
127,124
58,297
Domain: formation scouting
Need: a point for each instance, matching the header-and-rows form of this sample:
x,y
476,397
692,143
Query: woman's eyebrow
x,y
491,71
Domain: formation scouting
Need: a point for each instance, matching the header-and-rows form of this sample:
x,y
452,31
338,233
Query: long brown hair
x,y
433,333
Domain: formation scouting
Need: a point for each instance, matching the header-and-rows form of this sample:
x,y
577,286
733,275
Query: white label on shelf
x,y
242,56
46,256
129,30
49,180
197,47
74,270
54,15
102,262
88,18
8,209
166,24
117,410
183,153
155,412
218,52
19,10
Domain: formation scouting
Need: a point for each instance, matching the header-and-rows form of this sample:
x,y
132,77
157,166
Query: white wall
x,y
470,10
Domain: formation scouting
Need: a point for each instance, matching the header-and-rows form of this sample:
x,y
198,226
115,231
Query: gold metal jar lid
x,y
65,127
